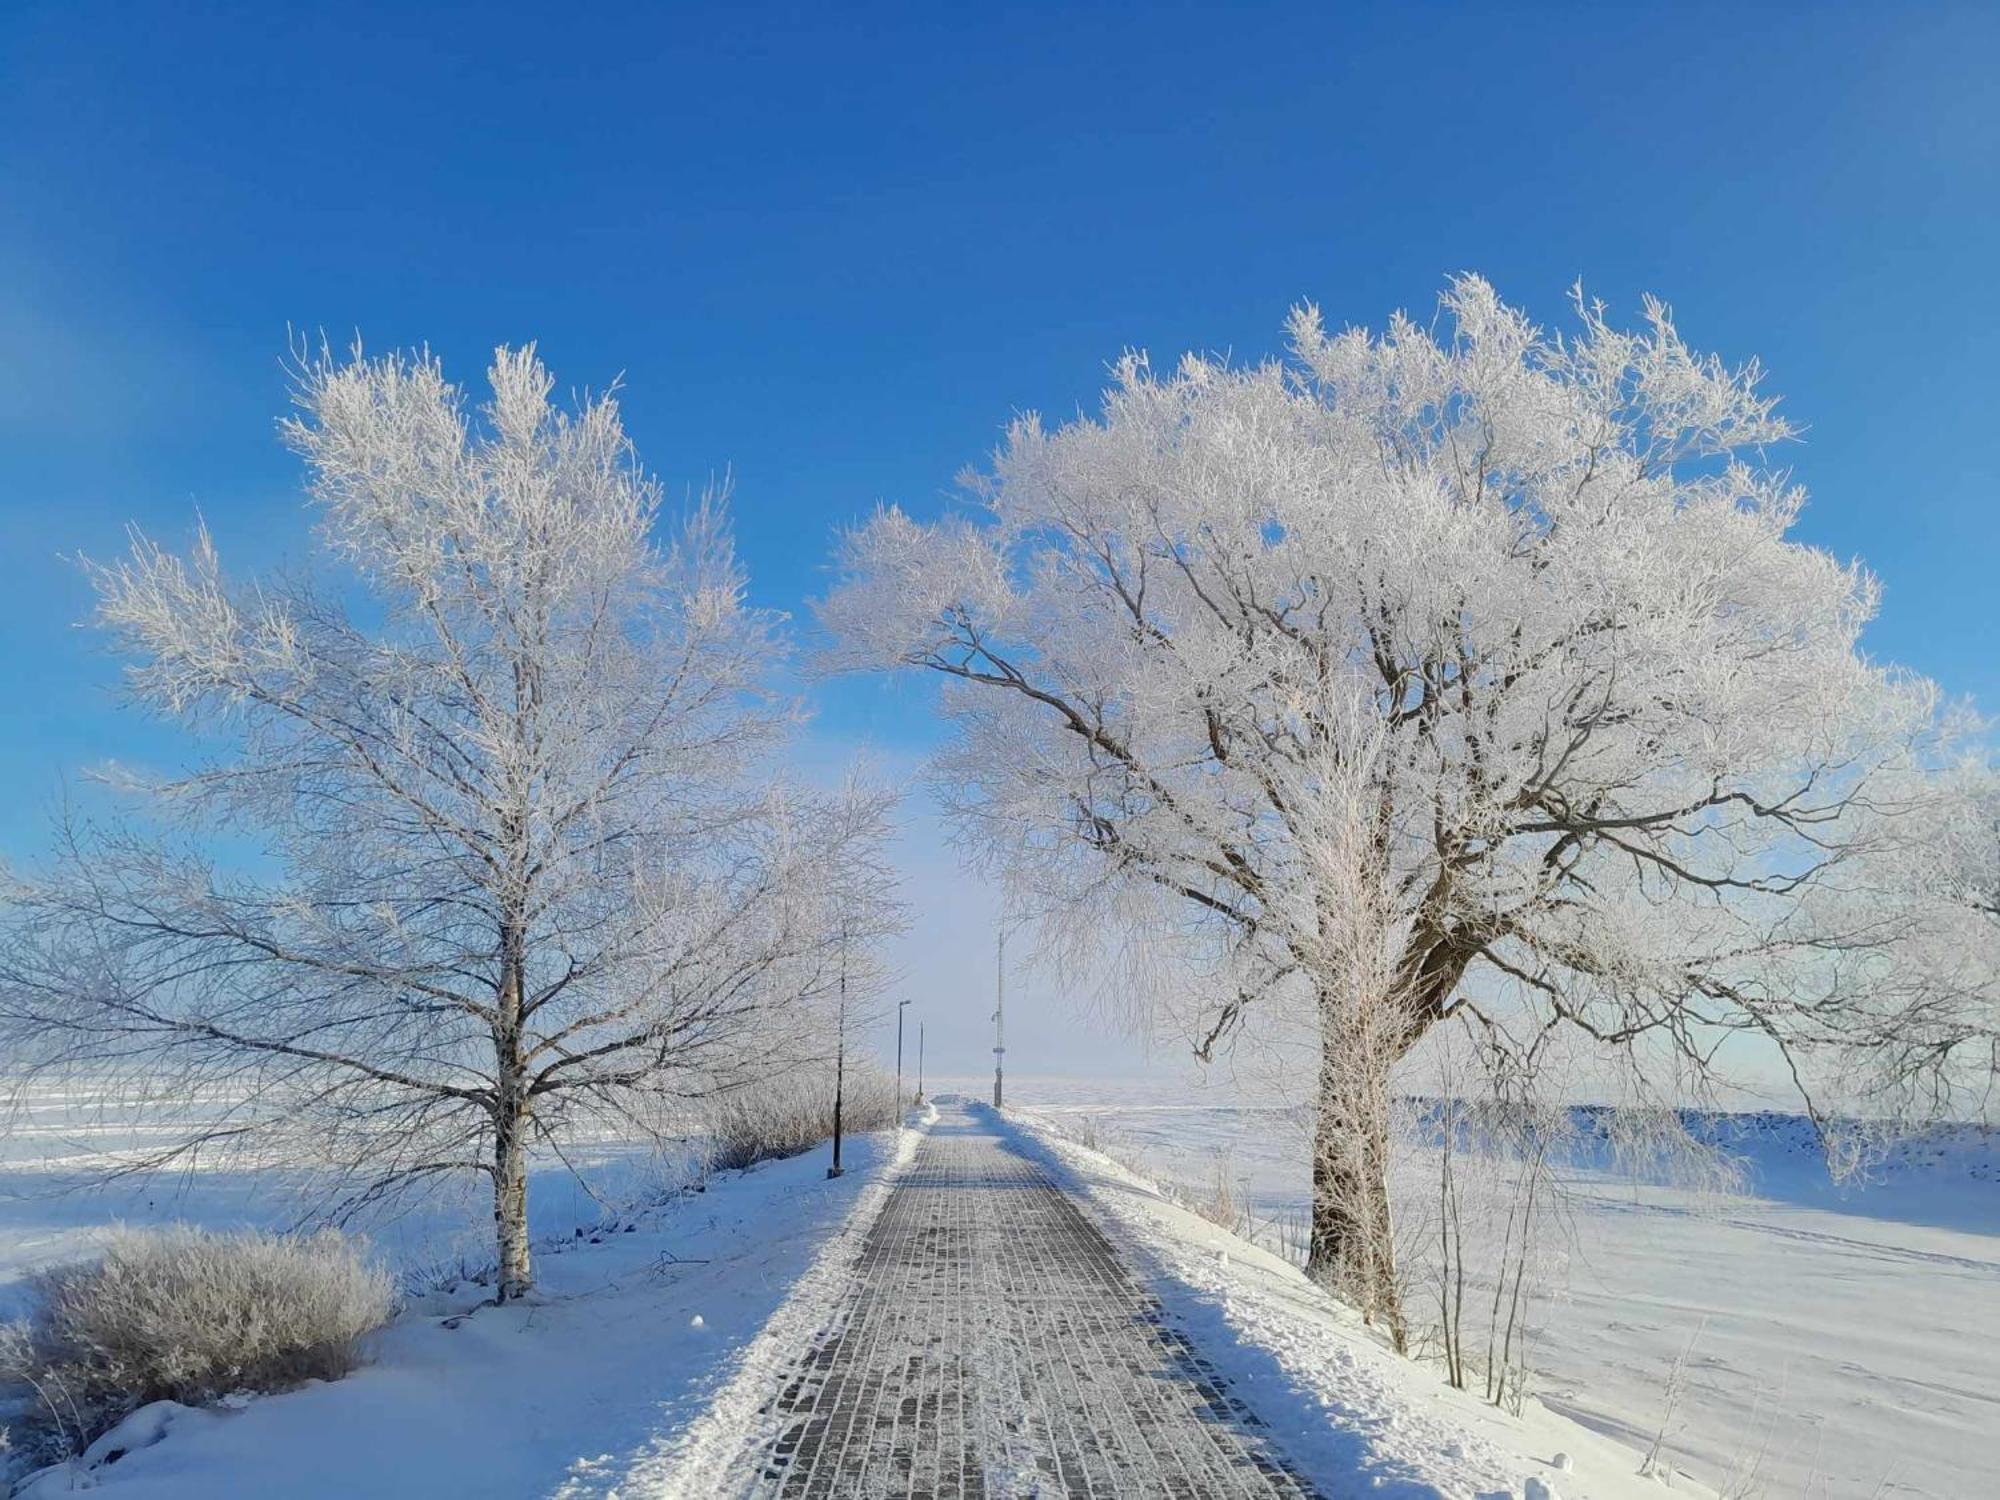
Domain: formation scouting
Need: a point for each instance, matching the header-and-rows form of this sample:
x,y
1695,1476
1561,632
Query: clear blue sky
x,y
834,248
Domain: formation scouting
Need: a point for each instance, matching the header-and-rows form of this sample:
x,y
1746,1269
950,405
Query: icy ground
x,y
651,1350
1847,1341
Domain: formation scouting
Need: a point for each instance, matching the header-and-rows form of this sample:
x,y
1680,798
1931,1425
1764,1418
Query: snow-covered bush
x,y
1224,1204
188,1315
793,1112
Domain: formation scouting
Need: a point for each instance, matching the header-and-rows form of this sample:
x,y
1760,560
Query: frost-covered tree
x,y
485,861
1426,674
1939,1004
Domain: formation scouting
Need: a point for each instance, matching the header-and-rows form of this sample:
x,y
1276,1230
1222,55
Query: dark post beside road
x,y
899,1057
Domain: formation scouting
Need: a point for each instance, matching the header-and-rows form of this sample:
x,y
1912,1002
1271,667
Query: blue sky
x,y
834,248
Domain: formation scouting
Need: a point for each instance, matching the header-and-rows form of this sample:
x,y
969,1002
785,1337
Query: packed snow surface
x,y
1354,1417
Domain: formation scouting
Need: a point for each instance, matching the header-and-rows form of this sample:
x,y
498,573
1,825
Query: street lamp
x,y
839,1061
899,1057
999,1013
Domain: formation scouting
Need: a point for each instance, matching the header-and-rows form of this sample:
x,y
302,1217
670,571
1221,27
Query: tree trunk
x,y
510,1125
510,1205
1351,1249
1384,1272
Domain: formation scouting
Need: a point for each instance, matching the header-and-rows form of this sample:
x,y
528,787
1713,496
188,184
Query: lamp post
x,y
839,1064
920,1062
999,1014
899,1057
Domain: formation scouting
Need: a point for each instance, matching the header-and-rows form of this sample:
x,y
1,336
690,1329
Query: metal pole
x,y
899,1057
839,1071
920,1062
999,1015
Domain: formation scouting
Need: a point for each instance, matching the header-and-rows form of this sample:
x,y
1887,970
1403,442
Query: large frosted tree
x,y
489,857
1465,671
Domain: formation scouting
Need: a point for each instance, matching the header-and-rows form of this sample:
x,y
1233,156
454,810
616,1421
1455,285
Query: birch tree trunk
x,y
510,1125
510,1203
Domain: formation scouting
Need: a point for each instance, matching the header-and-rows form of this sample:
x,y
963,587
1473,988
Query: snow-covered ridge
x,y
1767,1139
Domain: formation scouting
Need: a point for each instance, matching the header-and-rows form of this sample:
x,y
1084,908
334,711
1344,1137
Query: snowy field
x,y
636,1324
1846,1342
652,1349
54,1203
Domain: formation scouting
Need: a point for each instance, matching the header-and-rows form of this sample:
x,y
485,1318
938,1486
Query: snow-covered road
x,y
993,1342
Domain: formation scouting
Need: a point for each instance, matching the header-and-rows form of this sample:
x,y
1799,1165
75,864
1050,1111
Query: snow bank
x,y
691,1464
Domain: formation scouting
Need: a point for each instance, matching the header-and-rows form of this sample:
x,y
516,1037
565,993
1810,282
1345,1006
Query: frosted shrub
x,y
793,1112
1224,1204
188,1315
